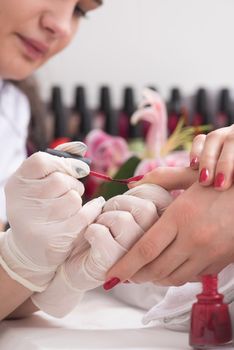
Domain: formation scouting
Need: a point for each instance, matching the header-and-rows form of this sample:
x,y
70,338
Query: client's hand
x,y
123,221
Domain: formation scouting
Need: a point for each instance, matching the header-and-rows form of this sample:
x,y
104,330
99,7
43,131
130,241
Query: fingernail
x,y
194,162
219,180
101,200
81,148
135,179
204,174
111,283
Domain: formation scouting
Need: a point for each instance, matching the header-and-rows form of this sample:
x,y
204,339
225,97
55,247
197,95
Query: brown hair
x,y
37,127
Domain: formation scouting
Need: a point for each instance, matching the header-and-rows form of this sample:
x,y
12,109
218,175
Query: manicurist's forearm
x,y
12,294
2,226
24,310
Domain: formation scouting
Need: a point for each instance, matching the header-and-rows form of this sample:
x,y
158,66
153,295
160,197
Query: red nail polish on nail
x,y
204,174
219,180
210,318
111,283
194,162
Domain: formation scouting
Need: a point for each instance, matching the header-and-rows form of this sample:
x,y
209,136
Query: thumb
x,y
104,249
170,178
41,164
74,147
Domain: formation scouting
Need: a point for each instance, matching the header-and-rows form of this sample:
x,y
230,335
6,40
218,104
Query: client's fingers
x,y
170,178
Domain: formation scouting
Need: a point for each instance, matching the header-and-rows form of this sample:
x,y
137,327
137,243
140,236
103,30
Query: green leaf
x,y
111,189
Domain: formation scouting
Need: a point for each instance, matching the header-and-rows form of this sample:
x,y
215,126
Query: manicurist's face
x,y
32,31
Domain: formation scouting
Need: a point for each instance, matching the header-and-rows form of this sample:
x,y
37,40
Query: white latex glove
x,y
43,203
124,220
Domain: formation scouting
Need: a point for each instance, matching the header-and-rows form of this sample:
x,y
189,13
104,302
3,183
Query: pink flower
x,y
107,152
153,110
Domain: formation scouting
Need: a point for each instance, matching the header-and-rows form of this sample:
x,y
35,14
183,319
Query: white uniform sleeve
x,y
14,120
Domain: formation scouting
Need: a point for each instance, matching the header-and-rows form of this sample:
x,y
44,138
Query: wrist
x,y
20,268
60,297
12,294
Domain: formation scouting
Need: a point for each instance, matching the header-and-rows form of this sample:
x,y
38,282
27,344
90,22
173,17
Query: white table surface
x,y
99,322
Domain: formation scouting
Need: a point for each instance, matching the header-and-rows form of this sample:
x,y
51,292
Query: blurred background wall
x,y
164,43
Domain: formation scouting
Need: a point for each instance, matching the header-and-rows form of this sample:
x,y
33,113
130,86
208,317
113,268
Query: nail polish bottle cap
x,y
80,107
58,110
175,102
201,106
224,104
129,107
111,122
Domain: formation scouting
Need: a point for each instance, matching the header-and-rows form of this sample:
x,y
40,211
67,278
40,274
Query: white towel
x,y
174,309
143,296
171,306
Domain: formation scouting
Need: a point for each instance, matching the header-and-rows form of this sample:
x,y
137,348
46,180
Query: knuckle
x,y
149,208
122,216
79,187
213,135
198,138
202,237
230,128
136,212
112,204
210,137
219,250
188,210
39,158
174,280
57,179
74,198
230,137
147,250
158,274
224,165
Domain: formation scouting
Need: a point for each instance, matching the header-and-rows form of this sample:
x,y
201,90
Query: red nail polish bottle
x,y
210,319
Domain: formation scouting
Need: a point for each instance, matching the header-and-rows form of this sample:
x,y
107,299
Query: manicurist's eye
x,y
78,12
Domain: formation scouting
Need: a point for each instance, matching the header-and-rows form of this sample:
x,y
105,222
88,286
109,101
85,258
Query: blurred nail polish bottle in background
x,y
81,117
110,115
224,115
127,110
200,114
105,117
176,110
59,114
133,133
210,318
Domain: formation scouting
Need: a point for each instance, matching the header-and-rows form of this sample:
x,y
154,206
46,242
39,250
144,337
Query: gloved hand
x,y
123,221
43,200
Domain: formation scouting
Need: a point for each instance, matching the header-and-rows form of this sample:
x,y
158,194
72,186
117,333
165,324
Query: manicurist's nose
x,y
58,24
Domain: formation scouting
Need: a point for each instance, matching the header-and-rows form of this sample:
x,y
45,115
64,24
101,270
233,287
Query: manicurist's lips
x,y
33,49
